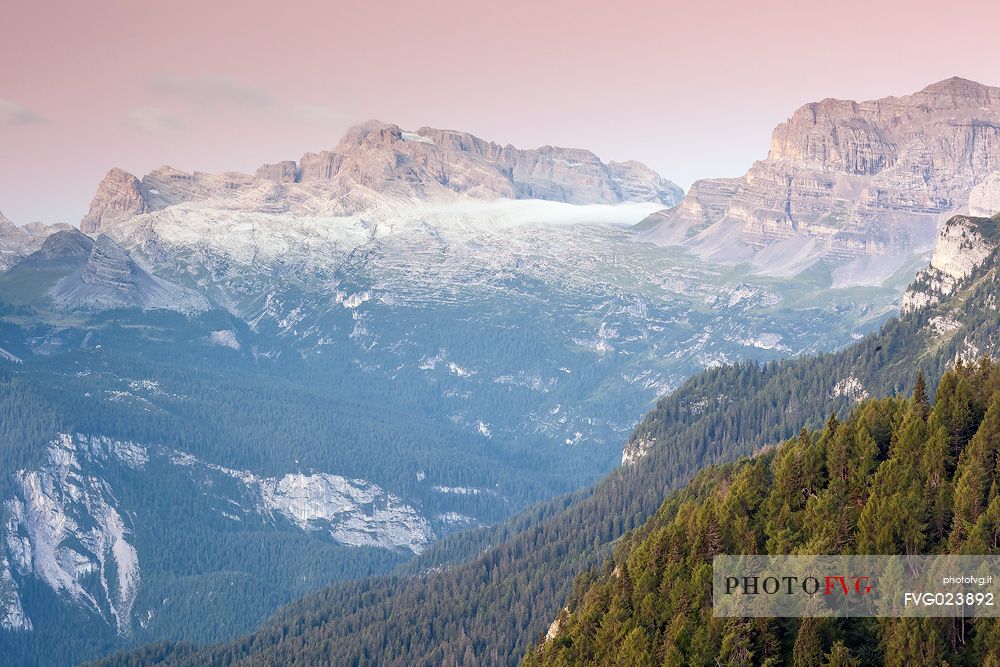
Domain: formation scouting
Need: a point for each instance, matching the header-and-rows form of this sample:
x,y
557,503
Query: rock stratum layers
x,y
984,200
844,180
377,164
110,279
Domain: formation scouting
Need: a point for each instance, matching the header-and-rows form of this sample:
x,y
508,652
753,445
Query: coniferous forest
x,y
895,476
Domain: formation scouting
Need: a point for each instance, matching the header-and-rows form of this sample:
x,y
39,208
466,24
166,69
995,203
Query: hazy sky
x,y
692,89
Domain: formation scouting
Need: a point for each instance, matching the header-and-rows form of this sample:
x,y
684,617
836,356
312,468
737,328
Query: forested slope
x,y
896,477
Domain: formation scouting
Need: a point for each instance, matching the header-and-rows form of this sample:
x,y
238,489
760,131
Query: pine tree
x,y
840,656
736,649
808,649
921,402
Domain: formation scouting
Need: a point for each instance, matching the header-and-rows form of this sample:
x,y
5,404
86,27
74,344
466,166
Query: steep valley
x,y
397,375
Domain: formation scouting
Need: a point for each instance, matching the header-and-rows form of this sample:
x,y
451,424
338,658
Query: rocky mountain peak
x,y
376,166
110,278
18,241
963,91
119,196
844,180
9,232
110,265
68,245
371,134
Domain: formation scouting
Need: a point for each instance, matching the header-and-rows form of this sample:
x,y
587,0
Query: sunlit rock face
x,y
848,179
984,201
962,246
636,450
377,165
119,196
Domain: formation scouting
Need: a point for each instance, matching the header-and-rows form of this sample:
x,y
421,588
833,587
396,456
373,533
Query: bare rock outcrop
x,y
285,171
984,200
17,242
111,279
376,164
851,178
963,245
119,196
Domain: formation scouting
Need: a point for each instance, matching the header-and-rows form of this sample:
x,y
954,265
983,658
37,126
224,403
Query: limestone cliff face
x,y
378,163
963,245
282,172
119,196
984,200
855,178
430,161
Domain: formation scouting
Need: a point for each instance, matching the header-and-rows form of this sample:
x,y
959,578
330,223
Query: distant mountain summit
x,y
18,241
377,164
847,180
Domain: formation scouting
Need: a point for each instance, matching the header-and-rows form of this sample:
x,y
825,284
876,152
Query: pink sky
x,y
692,89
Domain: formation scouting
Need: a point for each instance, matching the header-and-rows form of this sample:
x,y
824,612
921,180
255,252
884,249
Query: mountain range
x,y
377,165
18,241
333,368
400,364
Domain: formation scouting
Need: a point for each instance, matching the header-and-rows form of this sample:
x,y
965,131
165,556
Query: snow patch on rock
x,y
461,372
455,520
460,490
